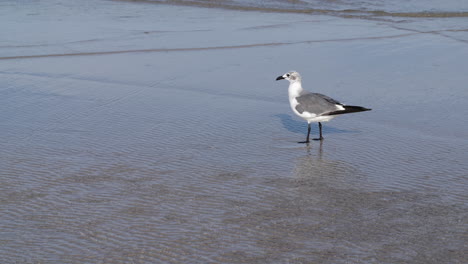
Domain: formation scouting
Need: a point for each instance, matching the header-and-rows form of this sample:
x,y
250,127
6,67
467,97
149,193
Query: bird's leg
x,y
308,133
320,131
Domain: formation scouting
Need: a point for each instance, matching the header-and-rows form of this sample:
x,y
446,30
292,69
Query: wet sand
x,y
145,133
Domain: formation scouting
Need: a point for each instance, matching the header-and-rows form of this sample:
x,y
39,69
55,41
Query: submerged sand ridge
x,y
190,156
194,49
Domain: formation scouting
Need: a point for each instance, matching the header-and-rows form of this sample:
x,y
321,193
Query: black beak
x,y
280,78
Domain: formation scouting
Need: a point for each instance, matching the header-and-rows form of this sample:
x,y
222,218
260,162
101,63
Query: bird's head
x,y
292,76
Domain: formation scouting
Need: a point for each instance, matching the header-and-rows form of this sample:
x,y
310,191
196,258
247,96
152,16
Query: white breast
x,y
295,89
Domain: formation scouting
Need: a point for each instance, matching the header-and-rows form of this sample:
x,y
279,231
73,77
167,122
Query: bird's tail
x,y
349,109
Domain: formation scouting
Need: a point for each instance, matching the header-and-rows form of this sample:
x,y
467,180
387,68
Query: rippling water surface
x,y
396,8
135,132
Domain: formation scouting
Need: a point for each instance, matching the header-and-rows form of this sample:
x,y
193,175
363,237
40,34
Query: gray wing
x,y
316,103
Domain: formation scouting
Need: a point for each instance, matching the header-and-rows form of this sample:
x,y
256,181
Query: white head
x,y
292,76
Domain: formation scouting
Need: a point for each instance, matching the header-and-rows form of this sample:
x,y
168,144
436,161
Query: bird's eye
x,y
287,75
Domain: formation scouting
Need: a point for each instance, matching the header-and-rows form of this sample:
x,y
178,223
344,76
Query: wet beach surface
x,y
148,133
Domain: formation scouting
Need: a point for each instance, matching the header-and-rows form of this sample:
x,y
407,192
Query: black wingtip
x,y
349,109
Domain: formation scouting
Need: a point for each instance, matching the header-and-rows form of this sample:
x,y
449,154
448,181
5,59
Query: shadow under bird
x,y
314,107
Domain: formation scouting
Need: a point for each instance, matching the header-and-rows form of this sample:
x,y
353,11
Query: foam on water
x,y
345,8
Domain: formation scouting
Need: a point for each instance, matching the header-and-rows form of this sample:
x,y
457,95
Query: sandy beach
x,y
144,132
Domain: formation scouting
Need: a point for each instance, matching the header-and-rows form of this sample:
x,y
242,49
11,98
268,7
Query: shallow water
x,y
344,8
146,133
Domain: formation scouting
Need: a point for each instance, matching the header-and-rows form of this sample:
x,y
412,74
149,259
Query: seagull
x,y
314,107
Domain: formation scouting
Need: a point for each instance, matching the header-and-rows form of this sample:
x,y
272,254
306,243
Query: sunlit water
x,y
148,133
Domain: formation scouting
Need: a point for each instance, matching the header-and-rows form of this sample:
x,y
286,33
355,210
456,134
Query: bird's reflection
x,y
318,149
317,168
